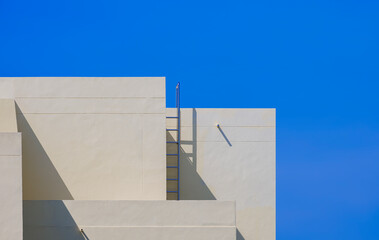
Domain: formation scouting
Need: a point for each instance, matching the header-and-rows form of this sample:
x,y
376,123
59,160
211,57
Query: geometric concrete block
x,y
88,138
235,161
41,213
119,220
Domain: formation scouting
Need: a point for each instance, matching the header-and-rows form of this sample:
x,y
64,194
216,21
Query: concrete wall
x,y
119,220
235,162
8,122
10,186
105,139
90,138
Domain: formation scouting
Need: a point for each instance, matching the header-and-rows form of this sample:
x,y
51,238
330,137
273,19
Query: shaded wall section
x,y
91,138
233,162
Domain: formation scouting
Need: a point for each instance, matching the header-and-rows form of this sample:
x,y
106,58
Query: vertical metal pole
x,y
178,109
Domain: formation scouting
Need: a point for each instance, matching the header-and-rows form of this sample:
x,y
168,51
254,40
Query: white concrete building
x,y
99,158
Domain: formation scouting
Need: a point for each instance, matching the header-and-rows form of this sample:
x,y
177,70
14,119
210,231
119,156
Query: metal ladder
x,y
176,142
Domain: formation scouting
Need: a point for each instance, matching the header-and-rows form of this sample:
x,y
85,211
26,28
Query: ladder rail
x,y
177,105
178,115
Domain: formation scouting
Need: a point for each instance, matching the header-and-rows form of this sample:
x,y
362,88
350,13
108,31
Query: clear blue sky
x,y
317,62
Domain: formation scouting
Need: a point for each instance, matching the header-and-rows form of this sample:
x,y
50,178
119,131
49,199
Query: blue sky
x,y
317,62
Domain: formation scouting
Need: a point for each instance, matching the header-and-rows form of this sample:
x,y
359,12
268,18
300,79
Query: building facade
x,y
103,158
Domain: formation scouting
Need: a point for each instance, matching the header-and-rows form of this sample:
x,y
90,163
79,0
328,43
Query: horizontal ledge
x,y
226,126
147,97
172,179
172,166
192,226
95,113
232,141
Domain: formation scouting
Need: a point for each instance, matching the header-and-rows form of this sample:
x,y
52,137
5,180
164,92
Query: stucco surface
x,y
96,87
8,121
233,162
131,233
91,138
10,186
195,220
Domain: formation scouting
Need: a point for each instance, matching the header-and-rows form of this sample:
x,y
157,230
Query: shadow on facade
x,y
41,179
239,235
49,219
224,136
192,186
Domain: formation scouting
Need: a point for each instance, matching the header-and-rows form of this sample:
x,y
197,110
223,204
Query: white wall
x,y
119,220
90,138
10,186
236,162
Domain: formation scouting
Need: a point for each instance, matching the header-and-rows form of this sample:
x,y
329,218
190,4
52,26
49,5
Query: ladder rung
x,y
171,142
172,191
168,129
172,179
172,154
172,166
171,117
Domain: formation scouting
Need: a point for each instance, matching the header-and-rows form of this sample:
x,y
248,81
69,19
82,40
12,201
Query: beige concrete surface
x,y
8,121
130,233
161,233
105,139
85,87
91,138
195,220
233,162
128,213
10,186
10,144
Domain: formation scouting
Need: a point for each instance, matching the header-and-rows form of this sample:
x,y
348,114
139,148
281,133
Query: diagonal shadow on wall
x,y
239,235
192,186
49,219
40,178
